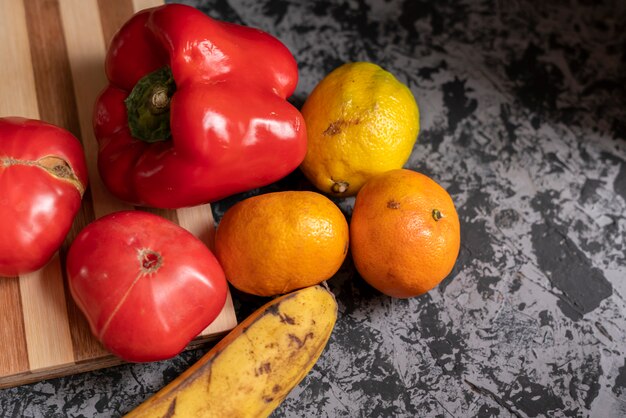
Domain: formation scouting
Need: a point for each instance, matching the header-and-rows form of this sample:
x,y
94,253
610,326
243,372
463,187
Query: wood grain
x,y
144,4
45,317
23,102
42,321
53,80
54,56
51,67
86,51
113,14
16,63
14,358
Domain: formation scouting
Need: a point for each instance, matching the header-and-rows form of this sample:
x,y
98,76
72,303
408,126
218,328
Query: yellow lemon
x,y
361,121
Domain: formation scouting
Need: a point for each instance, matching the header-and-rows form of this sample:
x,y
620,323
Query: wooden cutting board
x,y
52,68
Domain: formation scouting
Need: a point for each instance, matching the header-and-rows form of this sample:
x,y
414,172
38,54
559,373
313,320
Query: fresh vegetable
x,y
253,368
146,285
196,110
361,121
278,242
43,176
404,233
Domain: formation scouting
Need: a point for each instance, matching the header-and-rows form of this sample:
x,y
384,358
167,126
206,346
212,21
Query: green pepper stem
x,y
148,106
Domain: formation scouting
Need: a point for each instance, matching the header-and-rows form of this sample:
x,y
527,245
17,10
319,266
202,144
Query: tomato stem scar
x,y
150,261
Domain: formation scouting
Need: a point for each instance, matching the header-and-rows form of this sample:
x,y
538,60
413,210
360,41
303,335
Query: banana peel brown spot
x,y
265,368
171,411
286,319
209,377
300,343
272,310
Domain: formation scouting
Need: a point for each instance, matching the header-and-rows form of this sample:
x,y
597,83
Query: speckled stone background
x,y
523,113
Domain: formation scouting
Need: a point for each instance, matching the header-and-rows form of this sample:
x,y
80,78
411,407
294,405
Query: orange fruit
x,y
404,233
278,242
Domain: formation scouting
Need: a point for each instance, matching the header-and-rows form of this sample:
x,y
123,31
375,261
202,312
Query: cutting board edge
x,y
88,365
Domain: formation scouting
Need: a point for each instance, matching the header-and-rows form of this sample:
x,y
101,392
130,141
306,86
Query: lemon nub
x,y
340,186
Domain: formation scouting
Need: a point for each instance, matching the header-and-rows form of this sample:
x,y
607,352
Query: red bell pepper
x,y
196,110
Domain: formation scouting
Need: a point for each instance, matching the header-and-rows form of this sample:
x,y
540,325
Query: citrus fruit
x,y
360,121
404,233
278,242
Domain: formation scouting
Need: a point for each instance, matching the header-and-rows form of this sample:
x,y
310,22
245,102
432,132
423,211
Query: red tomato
x,y
42,179
146,285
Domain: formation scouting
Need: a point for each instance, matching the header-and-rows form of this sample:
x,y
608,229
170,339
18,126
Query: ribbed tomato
x,y
43,176
146,285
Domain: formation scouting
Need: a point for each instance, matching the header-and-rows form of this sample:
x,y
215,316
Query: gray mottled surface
x,y
524,122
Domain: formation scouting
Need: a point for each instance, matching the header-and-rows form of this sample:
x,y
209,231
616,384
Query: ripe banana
x,y
253,368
